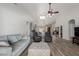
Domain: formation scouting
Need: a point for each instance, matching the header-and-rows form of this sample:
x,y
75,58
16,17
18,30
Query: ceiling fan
x,y
50,11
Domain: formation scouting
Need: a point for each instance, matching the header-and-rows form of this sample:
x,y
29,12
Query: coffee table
x,y
39,49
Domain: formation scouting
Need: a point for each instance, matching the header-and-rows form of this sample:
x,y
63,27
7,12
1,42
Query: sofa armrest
x,y
25,37
5,51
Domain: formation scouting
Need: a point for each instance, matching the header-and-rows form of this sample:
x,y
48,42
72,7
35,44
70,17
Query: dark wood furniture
x,y
75,40
61,31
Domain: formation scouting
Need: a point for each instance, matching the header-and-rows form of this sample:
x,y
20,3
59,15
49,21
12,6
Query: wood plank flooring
x,y
61,47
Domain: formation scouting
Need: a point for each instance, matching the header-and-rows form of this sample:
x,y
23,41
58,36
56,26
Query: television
x,y
76,30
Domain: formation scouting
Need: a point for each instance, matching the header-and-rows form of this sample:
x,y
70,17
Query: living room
x,y
26,28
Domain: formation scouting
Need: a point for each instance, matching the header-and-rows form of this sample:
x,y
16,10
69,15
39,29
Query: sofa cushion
x,y
19,47
5,51
12,38
3,38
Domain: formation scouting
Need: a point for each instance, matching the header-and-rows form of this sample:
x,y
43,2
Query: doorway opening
x,y
71,28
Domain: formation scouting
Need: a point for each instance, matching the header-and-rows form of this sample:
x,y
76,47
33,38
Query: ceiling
x,y
38,9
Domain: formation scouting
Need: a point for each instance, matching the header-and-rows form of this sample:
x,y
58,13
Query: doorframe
x,y
71,31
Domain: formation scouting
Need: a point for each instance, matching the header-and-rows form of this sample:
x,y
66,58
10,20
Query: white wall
x,y
0,22
63,19
13,20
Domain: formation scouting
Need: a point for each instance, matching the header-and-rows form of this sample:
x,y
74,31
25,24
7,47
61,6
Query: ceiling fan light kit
x,y
50,11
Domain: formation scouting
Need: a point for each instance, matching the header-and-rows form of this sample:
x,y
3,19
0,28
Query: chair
x,y
48,37
36,37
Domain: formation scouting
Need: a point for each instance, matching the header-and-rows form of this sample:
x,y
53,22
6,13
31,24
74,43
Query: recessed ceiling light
x,y
42,17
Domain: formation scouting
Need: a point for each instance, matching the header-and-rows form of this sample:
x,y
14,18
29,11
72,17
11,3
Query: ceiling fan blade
x,y
56,12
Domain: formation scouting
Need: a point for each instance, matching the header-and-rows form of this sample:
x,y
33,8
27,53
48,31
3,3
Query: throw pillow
x,y
12,39
4,43
18,36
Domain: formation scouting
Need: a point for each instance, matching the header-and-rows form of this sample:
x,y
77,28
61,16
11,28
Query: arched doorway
x,y
71,28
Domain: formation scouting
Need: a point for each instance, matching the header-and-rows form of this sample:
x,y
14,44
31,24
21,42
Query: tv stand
x,y
75,40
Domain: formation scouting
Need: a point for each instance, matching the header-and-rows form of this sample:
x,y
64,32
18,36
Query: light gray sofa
x,y
17,45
